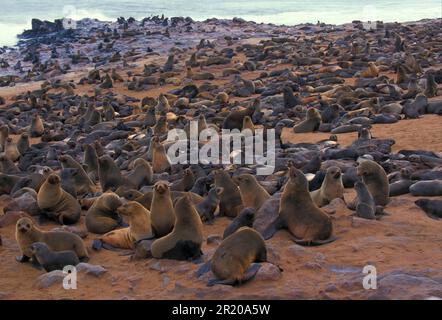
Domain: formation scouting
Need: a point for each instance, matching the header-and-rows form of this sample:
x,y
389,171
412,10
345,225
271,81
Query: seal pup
x,y
253,195
161,209
331,188
51,260
139,229
186,238
376,180
56,203
206,209
102,216
237,258
300,215
27,233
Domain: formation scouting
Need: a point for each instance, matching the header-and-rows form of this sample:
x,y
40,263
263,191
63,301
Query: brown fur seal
x,y
433,208
83,184
142,173
110,175
207,208
162,212
331,188
253,195
37,127
56,203
139,228
365,205
102,216
4,133
300,215
376,180
236,117
233,260
90,159
186,238
371,72
51,260
160,161
27,233
11,151
310,124
230,202
23,143
186,183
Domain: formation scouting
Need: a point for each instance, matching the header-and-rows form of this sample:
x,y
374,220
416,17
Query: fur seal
x,y
310,124
142,173
102,216
429,188
90,159
126,238
331,188
206,209
244,219
253,195
433,208
230,203
110,175
365,205
57,203
162,212
27,233
160,161
51,260
37,127
83,184
186,238
375,178
300,215
232,262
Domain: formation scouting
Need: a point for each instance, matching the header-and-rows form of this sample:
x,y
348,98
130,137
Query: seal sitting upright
x,y
300,215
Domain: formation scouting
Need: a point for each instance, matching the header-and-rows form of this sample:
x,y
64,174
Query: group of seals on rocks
x,y
107,153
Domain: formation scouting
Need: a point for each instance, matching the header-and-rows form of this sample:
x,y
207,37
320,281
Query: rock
x,y
214,239
336,205
90,269
26,203
267,213
297,250
312,265
48,279
268,271
40,27
331,288
11,218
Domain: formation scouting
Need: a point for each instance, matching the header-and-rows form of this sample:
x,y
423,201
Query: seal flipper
x,y
251,272
273,227
215,281
22,259
35,264
203,269
97,245
314,242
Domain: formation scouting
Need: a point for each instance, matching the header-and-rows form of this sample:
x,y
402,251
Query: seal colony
x,y
85,140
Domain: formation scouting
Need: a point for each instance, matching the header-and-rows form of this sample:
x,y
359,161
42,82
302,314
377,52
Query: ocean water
x,y
16,15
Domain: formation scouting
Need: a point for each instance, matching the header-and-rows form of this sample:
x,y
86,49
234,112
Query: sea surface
x,y
16,15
